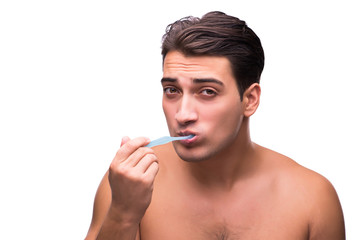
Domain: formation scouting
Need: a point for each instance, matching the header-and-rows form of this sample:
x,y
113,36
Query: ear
x,y
251,99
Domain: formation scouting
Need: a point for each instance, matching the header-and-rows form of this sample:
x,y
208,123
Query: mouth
x,y
190,140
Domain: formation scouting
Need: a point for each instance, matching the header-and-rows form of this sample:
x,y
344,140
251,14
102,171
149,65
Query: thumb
x,y
124,140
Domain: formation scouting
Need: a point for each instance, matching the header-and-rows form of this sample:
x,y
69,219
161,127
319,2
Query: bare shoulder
x,y
312,193
291,174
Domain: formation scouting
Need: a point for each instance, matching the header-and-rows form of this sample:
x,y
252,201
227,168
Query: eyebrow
x,y
168,80
196,80
208,80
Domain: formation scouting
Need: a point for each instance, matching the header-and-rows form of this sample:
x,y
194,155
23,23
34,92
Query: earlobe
x,y
251,99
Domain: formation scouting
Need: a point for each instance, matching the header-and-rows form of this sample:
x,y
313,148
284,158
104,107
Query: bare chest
x,y
178,214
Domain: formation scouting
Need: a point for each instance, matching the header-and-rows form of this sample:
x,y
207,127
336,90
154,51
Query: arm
x,y
101,206
124,193
327,218
101,209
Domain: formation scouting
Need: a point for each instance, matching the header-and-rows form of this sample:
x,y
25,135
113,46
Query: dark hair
x,y
218,34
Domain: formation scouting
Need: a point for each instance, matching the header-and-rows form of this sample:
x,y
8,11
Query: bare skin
x,y
223,187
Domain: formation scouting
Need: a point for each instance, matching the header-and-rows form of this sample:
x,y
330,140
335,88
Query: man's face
x,y
201,98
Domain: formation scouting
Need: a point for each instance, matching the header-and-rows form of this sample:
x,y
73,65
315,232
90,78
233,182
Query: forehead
x,y
177,65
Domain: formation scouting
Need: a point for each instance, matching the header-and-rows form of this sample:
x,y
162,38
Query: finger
x,y
145,162
129,147
124,140
152,171
138,155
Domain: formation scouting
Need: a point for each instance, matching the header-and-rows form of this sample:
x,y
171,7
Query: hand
x,y
131,178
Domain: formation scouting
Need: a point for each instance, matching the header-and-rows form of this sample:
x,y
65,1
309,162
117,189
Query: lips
x,y
187,133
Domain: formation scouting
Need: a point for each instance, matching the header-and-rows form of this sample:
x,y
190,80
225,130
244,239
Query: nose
x,y
186,112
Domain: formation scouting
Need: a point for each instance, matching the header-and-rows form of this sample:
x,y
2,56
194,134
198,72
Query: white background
x,y
76,76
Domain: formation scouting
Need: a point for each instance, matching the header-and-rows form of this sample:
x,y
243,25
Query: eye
x,y
208,92
170,90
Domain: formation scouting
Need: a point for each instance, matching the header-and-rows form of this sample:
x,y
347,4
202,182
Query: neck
x,y
228,166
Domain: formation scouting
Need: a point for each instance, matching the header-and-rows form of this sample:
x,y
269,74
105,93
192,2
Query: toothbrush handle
x,y
164,140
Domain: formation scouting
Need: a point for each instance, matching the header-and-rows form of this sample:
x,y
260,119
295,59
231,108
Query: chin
x,y
193,154
187,158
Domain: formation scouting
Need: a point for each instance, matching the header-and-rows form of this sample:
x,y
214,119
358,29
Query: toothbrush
x,y
164,140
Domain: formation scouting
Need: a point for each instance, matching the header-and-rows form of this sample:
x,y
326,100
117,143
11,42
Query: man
x,y
218,184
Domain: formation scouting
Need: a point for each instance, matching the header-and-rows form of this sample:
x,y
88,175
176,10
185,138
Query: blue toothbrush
x,y
164,140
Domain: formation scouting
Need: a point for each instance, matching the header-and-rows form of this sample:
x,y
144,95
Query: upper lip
x,y
186,133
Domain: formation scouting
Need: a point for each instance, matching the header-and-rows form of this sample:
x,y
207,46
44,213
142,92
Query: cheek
x,y
169,112
222,112
223,118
